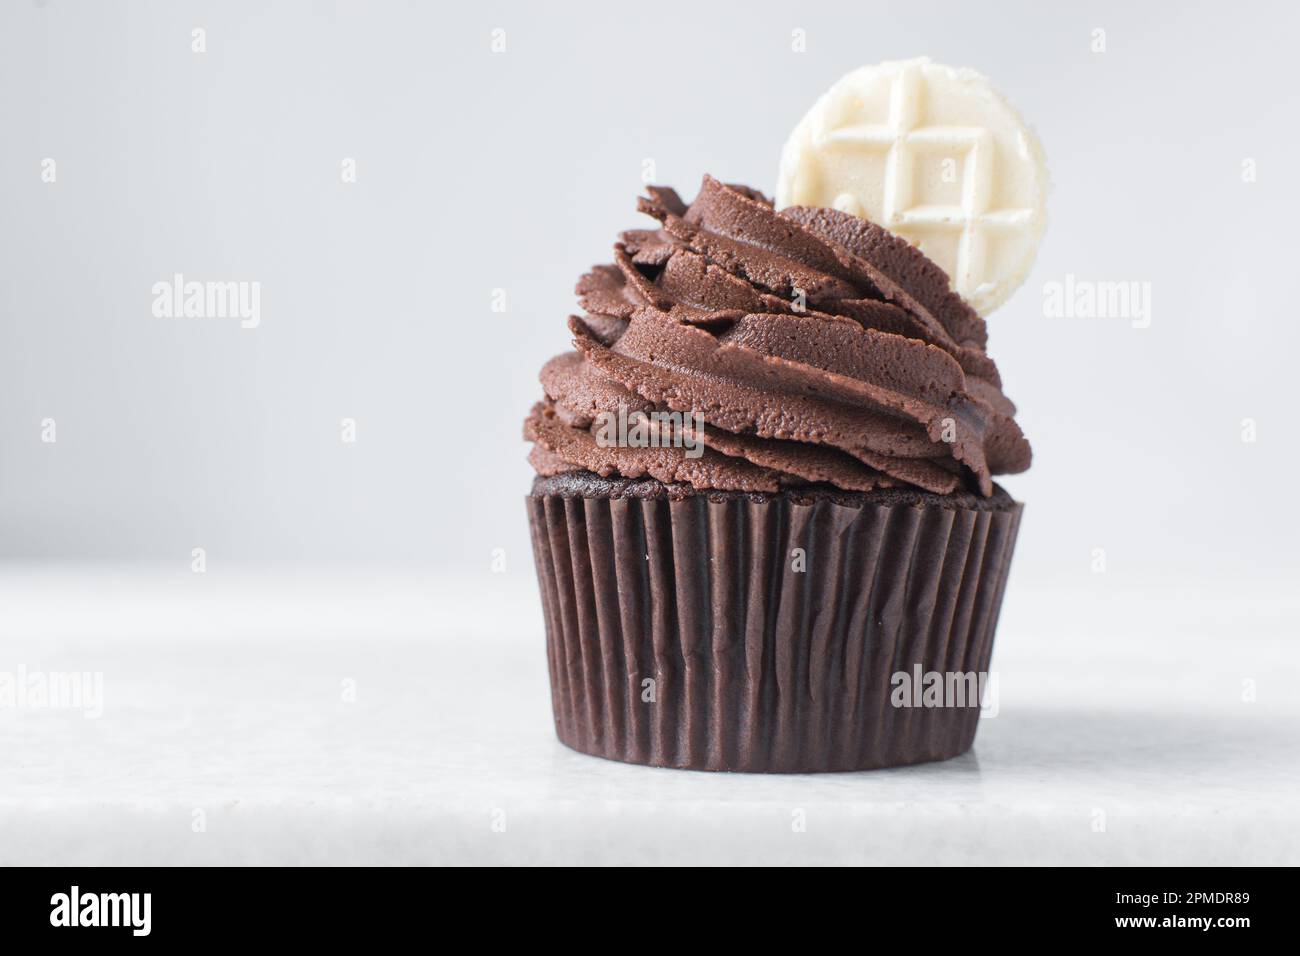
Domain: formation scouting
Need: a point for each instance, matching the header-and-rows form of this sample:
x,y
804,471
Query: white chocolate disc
x,y
934,155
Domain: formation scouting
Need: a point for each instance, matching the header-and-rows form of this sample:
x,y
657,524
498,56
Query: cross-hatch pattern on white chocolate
x,y
846,124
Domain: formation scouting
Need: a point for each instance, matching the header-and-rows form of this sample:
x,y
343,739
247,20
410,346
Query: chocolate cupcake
x,y
765,524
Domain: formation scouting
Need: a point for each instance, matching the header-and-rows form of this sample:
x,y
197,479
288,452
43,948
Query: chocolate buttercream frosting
x,y
773,350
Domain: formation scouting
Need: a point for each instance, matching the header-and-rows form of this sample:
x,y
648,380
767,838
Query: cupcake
x,y
765,525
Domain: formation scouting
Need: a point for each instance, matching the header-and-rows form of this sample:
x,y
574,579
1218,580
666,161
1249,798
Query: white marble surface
x,y
223,694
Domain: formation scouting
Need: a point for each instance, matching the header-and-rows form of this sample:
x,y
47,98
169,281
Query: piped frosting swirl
x,y
816,347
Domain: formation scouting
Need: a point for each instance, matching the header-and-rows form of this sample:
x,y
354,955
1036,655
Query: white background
x,y
479,170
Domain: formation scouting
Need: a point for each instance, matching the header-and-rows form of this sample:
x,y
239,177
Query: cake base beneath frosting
x,y
586,484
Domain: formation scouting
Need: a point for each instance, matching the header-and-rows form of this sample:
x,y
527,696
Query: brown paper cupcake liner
x,y
685,631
